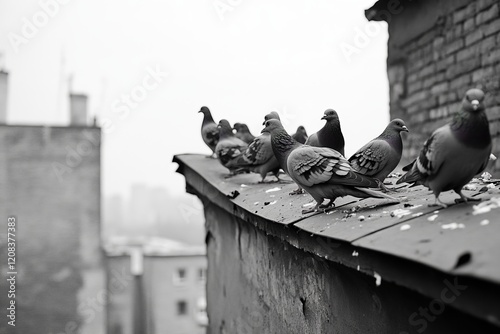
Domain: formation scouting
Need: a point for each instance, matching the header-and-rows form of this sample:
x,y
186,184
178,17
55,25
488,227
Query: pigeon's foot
x,y
438,203
386,189
465,199
263,181
326,207
297,191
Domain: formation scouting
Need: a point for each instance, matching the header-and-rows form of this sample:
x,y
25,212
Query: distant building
x,y
50,180
155,285
437,50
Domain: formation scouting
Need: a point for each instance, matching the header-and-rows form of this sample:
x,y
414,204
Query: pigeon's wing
x,y
259,151
311,166
371,158
433,154
230,149
210,134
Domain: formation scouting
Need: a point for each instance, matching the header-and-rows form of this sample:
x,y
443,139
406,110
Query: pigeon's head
x,y
205,110
241,127
330,114
302,130
224,127
473,100
272,125
271,115
398,125
237,126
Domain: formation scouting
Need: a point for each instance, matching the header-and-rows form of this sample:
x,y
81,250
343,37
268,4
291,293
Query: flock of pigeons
x,y
449,159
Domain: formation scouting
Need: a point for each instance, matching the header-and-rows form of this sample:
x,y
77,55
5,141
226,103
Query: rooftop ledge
x,y
408,243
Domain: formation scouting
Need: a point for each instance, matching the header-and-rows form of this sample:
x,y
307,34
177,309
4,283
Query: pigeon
x,y
330,135
243,133
455,152
209,130
229,148
380,156
321,171
271,115
259,157
300,135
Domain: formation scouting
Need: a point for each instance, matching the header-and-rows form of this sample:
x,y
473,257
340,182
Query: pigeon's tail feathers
x,y
412,176
376,193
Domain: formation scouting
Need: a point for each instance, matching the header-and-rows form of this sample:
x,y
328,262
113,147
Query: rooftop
x,y
408,243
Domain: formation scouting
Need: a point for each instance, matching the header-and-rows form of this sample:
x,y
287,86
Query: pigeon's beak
x,y
324,117
475,104
264,130
264,123
405,128
199,111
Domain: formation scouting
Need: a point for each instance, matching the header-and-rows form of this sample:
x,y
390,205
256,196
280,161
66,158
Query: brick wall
x,y
50,180
438,50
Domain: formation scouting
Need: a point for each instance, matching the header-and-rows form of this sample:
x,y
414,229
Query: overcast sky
x,y
148,66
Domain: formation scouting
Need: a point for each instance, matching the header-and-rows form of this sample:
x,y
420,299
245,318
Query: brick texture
x,y
461,51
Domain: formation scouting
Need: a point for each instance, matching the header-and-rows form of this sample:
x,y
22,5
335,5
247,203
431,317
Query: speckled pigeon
x,y
300,135
455,152
259,157
209,130
381,155
322,172
330,134
229,148
243,132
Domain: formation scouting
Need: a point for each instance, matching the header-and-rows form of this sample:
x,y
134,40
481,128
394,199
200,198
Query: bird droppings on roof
x,y
486,206
432,218
378,278
273,189
405,227
452,226
484,222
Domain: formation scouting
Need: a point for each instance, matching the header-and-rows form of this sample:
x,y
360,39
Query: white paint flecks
x,y
378,278
273,189
452,226
405,227
432,218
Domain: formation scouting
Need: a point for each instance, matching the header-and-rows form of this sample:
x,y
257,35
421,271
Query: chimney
x,y
4,77
78,109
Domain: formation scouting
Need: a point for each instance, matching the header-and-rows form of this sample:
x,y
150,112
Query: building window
x,y
182,307
180,276
202,275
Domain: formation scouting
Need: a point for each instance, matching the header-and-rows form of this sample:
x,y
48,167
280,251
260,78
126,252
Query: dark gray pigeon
x,y
323,172
300,135
209,130
330,134
259,156
243,132
381,155
455,152
229,148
